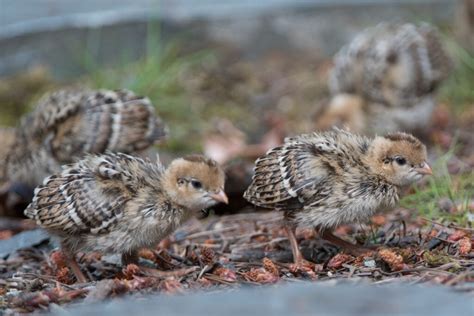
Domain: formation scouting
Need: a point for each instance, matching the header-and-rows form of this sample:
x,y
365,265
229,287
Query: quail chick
x,y
395,69
333,178
116,203
67,124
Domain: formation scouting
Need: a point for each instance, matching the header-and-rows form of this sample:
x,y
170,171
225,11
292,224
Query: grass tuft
x,y
157,76
441,189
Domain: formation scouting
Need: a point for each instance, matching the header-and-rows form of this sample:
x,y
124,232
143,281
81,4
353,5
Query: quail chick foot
x,y
72,263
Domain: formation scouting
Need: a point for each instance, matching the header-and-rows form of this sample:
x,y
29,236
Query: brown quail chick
x,y
116,203
395,70
333,178
67,124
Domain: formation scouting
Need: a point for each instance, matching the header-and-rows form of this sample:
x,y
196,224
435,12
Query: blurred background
x,y
198,60
232,79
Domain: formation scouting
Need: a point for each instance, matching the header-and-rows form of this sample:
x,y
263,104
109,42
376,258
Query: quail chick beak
x,y
425,169
220,197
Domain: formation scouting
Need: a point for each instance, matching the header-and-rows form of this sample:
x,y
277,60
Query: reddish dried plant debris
x,y
5,234
306,269
208,256
130,271
44,298
260,275
205,283
308,234
58,259
270,266
344,230
120,287
457,235
379,220
171,286
138,283
63,275
91,257
465,246
226,274
165,243
209,242
338,260
395,261
147,254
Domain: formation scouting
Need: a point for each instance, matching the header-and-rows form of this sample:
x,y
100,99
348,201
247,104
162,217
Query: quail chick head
x,y
67,124
396,69
323,180
116,203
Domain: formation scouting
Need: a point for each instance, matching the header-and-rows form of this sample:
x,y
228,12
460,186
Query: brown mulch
x,y
232,251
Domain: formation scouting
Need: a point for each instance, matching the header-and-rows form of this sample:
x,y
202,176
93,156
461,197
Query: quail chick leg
x,y
298,258
72,263
132,258
349,247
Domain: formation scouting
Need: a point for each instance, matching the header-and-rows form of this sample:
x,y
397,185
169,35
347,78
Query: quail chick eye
x,y
196,184
401,161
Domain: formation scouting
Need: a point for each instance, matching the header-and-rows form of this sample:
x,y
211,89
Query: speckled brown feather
x,y
90,196
7,139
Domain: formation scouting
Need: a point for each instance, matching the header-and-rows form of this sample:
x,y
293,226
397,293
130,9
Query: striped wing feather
x,y
87,197
285,172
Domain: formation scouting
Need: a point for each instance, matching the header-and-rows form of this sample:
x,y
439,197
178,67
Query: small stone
x,y
370,263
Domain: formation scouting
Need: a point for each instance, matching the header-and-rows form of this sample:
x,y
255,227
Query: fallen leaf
x,y
59,260
270,266
63,275
465,246
208,256
457,235
339,259
130,271
395,261
226,274
260,275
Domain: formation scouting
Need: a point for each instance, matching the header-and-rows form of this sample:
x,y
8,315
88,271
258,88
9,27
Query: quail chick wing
x,y
305,169
90,196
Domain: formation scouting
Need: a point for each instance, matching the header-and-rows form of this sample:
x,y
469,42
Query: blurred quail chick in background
x,y
386,80
67,124
328,179
115,203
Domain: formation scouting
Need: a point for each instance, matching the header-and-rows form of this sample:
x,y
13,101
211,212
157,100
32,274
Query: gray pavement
x,y
293,299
